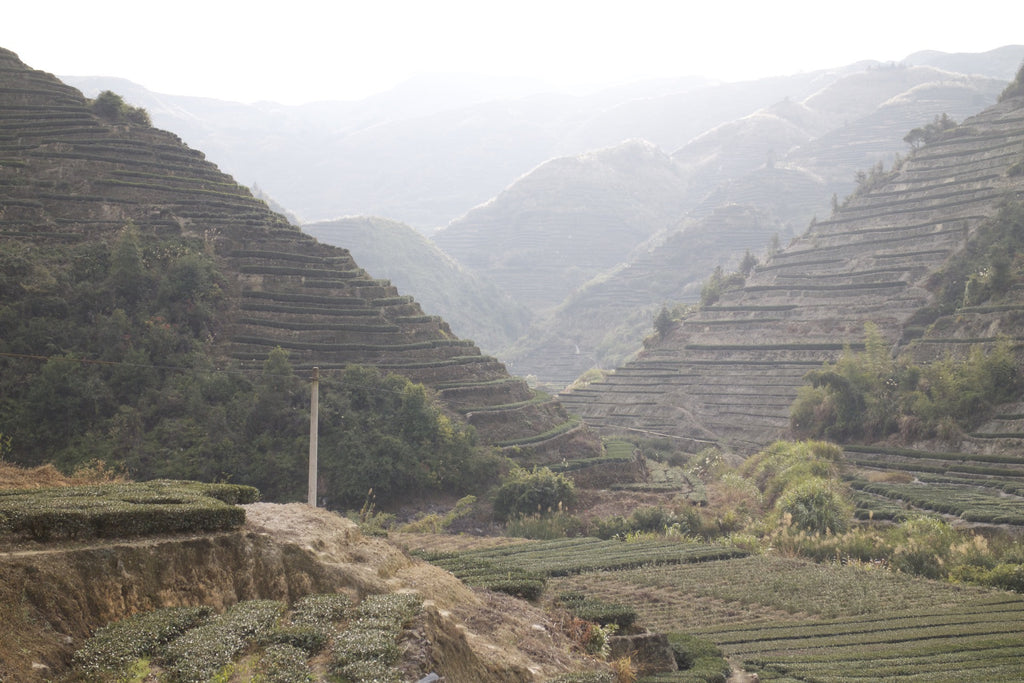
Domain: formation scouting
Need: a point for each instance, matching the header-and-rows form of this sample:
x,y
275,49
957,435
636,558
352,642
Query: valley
x,y
807,468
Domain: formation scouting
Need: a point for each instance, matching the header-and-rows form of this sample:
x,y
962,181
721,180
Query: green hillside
x,y
159,318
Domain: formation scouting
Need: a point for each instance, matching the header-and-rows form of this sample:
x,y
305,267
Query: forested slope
x,y
156,315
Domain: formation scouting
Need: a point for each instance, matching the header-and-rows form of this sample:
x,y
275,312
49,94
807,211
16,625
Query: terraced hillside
x,y
601,323
730,371
473,307
69,176
779,166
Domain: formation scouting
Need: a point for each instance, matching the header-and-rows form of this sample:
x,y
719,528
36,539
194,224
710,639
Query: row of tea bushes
x,y
498,577
123,510
190,645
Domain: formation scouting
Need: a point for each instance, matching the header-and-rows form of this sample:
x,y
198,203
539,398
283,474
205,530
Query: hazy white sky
x,y
295,51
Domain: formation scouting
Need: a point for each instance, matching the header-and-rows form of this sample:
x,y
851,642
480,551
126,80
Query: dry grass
x,y
449,542
46,476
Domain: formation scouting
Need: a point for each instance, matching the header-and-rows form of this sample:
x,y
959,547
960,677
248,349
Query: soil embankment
x,y
52,597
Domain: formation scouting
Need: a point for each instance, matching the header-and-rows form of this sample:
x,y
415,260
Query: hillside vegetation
x,y
160,319
892,255
655,225
472,305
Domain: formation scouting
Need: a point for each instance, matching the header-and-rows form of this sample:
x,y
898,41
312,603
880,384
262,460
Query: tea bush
x,y
114,648
367,650
599,611
198,655
700,658
118,510
321,609
282,663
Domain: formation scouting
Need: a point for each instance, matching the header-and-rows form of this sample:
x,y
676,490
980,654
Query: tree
x,y
919,136
663,322
749,262
108,105
111,107
529,492
1016,86
127,270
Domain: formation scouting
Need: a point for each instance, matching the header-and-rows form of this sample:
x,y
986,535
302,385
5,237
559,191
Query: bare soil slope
x,y
53,597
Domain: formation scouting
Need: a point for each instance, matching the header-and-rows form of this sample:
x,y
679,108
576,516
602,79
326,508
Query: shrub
x,y
360,644
113,648
1005,576
816,505
701,658
110,106
311,639
544,527
599,611
367,649
539,491
119,510
283,663
320,609
198,655
785,463
924,547
586,677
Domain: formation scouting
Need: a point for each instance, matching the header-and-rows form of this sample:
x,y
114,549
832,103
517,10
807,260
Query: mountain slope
x,y
472,307
759,178
730,371
406,156
567,220
87,194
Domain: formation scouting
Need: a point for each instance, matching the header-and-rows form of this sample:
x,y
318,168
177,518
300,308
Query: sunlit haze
x,y
302,51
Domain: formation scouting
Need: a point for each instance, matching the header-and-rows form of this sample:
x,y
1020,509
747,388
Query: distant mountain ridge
x,y
734,189
781,148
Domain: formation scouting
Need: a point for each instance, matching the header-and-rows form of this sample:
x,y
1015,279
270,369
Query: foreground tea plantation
x,y
254,640
792,620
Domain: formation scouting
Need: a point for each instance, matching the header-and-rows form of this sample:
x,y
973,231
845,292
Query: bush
x,y
321,609
367,649
110,106
816,505
201,653
114,648
539,491
123,510
311,639
544,527
599,611
701,658
1006,576
284,664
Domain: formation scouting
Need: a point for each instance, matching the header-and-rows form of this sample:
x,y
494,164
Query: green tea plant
x,y
199,654
123,509
367,649
113,649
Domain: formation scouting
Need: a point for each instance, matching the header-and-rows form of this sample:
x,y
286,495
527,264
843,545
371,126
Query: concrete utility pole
x,y
314,430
